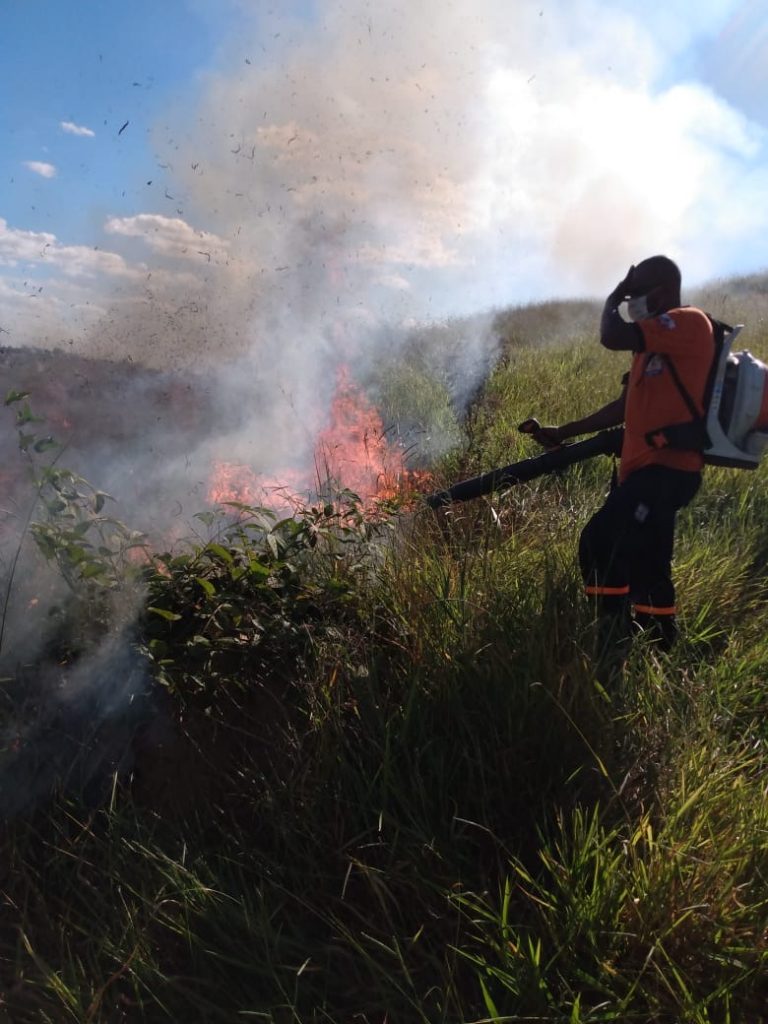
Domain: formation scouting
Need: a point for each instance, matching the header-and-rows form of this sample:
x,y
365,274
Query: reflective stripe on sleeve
x,y
607,591
652,609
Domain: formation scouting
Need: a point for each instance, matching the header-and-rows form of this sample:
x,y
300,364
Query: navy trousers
x,y
625,550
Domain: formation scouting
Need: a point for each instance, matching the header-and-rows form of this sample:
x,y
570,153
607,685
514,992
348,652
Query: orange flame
x,y
352,452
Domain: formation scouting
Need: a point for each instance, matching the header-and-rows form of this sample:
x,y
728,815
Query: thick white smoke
x,y
398,163
442,158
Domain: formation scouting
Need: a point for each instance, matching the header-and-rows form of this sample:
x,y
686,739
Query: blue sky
x,y
95,65
293,165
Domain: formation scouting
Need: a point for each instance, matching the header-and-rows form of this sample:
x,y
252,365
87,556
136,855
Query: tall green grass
x,y
387,781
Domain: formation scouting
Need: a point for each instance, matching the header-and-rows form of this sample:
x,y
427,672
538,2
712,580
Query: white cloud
x,y
105,303
40,167
76,129
170,236
41,250
19,245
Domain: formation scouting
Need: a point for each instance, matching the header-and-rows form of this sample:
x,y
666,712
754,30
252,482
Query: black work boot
x,y
661,630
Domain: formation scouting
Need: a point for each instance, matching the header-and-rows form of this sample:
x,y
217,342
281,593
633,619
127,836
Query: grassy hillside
x,y
378,778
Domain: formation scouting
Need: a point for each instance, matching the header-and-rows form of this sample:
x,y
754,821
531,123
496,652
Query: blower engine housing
x,y
737,423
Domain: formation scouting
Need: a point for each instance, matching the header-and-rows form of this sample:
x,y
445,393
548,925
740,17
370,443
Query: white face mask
x,y
637,308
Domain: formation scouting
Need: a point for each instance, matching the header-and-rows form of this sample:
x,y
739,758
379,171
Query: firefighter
x,y
625,550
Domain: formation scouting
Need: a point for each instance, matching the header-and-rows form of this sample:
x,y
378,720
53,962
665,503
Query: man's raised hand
x,y
622,289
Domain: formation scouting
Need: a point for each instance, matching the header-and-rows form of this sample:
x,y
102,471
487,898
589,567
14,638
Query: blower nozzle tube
x,y
607,442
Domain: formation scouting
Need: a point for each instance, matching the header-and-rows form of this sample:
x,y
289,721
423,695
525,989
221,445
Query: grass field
x,y
379,778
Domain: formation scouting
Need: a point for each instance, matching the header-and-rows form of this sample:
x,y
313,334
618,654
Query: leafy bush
x,y
259,594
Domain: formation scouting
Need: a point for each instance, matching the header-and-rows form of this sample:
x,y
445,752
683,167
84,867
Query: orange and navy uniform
x,y
653,398
626,548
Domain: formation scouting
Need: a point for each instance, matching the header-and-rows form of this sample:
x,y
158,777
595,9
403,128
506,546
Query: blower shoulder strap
x,y
719,331
684,392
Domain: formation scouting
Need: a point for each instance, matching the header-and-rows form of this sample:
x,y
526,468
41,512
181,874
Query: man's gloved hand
x,y
622,289
547,437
